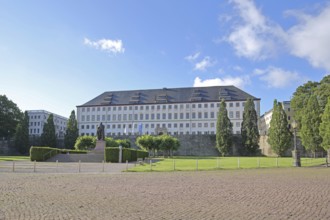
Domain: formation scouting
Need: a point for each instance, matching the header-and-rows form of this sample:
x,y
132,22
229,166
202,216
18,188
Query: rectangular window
x,y
175,125
97,118
141,107
147,116
82,127
83,118
170,107
187,115
212,115
158,116
193,125
237,114
113,126
147,107
87,118
199,115
119,117
187,106
152,107
152,125
164,116
125,117
175,115
135,117
169,125
237,104
181,125
212,125
131,108
199,105
206,125
175,106
141,116
205,105
193,115
206,114
87,126
164,106
181,106
181,115
193,106
199,125
93,109
114,117
114,108
93,117
108,118
231,114
125,108
152,116
83,109
231,104
103,117
169,116
158,107
212,105
238,124
98,109
130,117
187,125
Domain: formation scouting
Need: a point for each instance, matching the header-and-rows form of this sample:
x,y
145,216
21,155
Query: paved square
x,y
301,193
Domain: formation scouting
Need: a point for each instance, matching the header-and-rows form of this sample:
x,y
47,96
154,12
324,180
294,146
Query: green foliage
x,y
325,126
145,142
300,99
249,128
224,131
72,132
323,92
10,116
48,137
280,137
129,154
311,120
110,142
125,143
85,143
168,144
42,153
21,137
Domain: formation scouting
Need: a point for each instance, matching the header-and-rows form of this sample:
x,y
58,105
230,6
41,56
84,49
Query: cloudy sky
x,y
55,55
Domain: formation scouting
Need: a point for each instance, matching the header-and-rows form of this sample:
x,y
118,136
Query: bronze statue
x,y
100,132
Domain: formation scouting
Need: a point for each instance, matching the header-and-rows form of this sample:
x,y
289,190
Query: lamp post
x,y
295,152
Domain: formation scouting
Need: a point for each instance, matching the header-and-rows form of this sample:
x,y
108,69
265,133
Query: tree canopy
x,y
325,126
48,136
279,138
224,130
249,128
10,116
21,137
72,131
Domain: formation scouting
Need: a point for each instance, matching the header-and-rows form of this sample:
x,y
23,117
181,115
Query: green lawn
x,y
213,163
14,158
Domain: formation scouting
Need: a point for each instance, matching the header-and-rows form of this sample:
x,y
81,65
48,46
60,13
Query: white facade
x,y
37,119
177,118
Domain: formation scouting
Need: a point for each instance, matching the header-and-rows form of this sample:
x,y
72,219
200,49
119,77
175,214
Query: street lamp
x,y
295,152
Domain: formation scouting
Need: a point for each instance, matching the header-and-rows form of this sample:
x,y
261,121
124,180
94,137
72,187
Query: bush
x,y
65,151
85,143
112,154
125,143
110,142
42,153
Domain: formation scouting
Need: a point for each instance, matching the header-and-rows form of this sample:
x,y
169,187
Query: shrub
x,y
141,154
110,142
42,153
65,151
125,143
85,143
112,154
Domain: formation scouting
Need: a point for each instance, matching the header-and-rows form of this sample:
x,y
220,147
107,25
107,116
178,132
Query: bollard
x,y
238,165
79,166
218,162
13,166
102,165
34,166
126,165
56,166
150,164
197,165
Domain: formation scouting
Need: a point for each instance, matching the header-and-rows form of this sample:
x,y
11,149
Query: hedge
x,y
44,153
112,154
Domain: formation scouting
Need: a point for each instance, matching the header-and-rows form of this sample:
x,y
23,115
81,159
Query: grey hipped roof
x,y
170,95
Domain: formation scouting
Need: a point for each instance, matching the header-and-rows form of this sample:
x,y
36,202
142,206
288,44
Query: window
x,y
152,107
289,118
243,104
212,125
119,126
87,126
141,107
238,124
113,126
206,114
119,117
82,127
231,114
152,125
169,116
212,105
218,105
205,106
83,118
193,106
187,125
158,107
135,117
212,114
193,125
158,116
187,115
93,117
130,117
181,125
288,109
231,104
147,116
206,125
175,115
187,106
147,107
199,105
97,118
181,106
93,109
163,125
141,116
88,109
125,117
130,108
181,115
170,107
93,126
114,118
237,104
175,125
237,114
147,125
152,116
108,118
175,106
199,125
164,116
108,126
87,118
164,106
199,115
193,115
83,109
98,109
103,117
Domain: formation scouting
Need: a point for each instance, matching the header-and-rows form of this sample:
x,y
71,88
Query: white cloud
x,y
277,77
254,37
204,64
192,57
311,38
112,46
226,81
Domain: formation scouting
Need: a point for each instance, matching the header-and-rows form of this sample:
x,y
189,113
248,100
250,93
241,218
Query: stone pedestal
x,y
296,158
99,148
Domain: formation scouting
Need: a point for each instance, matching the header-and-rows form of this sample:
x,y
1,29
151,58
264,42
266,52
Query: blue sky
x,y
55,55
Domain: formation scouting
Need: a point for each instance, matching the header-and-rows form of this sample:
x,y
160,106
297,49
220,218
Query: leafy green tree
x,y
300,99
325,127
310,123
85,143
21,137
224,131
10,116
72,131
125,143
169,144
48,136
249,128
146,142
280,137
323,92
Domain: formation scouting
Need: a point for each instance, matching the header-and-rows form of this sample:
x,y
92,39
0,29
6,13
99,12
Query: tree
x,y
310,124
10,116
300,99
323,92
325,127
169,144
21,137
72,132
85,143
249,128
224,131
280,137
48,137
145,142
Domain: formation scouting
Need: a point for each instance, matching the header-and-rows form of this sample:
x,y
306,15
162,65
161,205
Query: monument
x,y
100,143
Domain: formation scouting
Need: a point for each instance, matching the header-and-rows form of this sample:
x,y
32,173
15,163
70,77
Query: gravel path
x,y
288,193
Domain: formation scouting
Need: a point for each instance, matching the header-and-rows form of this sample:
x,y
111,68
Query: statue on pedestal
x,y
100,132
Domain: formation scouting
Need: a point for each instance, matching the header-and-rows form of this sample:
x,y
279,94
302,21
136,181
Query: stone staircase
x,y
90,157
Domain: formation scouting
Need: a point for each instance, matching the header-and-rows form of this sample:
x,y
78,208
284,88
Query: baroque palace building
x,y
191,110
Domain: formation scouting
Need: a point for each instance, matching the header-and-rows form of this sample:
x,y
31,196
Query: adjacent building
x,y
37,119
191,110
